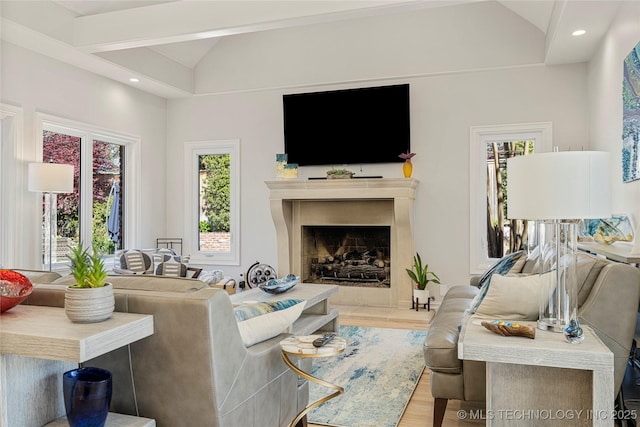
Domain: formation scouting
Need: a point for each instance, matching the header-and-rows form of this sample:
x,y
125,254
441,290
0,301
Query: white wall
x,y
605,103
443,107
39,84
433,40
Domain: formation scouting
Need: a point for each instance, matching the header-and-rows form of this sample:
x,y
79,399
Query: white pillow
x,y
515,297
260,321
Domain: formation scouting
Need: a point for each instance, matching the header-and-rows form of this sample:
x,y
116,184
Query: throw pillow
x,y
167,265
171,268
135,261
515,297
211,277
260,321
501,267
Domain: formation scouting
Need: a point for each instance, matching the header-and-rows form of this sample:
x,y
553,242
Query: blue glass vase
x,y
87,396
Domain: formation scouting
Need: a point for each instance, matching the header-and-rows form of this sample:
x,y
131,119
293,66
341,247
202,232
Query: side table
x,y
542,381
38,344
302,346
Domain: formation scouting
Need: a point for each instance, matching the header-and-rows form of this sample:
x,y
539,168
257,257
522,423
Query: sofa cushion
x,y
501,267
514,297
588,269
263,320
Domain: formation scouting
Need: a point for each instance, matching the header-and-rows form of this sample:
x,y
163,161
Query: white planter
x,y
421,295
89,305
421,298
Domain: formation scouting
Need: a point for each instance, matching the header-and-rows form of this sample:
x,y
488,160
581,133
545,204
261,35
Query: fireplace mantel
x,y
385,201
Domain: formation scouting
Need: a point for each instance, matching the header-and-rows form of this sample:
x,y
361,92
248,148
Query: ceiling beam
x,y
193,20
61,51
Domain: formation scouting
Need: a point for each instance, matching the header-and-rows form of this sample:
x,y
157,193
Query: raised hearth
x,y
296,204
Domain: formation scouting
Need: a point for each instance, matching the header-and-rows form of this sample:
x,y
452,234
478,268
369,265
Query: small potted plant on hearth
x,y
91,298
421,276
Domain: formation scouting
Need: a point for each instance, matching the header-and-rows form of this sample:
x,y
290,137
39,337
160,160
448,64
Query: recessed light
x,y
578,32
134,80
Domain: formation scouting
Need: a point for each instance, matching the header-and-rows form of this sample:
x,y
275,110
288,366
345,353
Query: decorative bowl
x,y
14,288
278,286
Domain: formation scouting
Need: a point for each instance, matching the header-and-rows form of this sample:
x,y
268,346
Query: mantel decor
x,y
407,166
339,174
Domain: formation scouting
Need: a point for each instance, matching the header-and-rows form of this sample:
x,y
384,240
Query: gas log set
x,y
352,268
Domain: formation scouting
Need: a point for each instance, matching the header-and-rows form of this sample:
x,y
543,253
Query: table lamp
x,y
51,178
558,189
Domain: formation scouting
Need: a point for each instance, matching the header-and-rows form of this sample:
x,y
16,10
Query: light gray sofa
x,y
608,302
194,370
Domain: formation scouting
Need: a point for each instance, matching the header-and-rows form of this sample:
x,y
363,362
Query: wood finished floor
x,y
419,412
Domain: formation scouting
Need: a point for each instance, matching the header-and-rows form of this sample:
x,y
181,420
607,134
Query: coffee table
x,y
302,346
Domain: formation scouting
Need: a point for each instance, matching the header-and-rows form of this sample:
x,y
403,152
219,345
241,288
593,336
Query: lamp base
x,y
550,324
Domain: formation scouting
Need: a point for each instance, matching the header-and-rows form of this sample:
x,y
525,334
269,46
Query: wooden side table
x,y
302,346
530,379
38,344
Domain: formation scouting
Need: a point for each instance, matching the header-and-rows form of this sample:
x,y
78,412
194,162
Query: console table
x,y
542,381
317,315
38,344
612,252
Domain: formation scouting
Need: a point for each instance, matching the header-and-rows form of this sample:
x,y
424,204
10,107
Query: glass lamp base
x,y
550,324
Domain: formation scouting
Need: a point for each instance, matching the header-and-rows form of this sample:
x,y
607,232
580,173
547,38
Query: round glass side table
x,y
302,346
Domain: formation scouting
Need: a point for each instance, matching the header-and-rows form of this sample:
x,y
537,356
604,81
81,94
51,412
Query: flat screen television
x,y
353,126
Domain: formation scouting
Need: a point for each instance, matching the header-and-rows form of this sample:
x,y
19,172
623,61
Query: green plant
x,y
339,172
420,274
87,268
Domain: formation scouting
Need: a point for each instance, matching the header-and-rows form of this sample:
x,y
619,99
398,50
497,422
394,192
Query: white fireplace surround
x,y
348,202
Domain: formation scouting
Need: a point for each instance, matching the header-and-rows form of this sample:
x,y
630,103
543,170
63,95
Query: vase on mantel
x,y
407,168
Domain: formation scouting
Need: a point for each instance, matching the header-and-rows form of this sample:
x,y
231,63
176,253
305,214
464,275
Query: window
x,y
491,234
212,209
504,235
97,213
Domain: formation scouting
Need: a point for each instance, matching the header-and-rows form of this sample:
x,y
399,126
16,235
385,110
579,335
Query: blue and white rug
x,y
379,371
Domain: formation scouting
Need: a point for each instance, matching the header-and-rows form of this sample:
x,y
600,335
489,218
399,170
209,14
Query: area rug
x,y
379,370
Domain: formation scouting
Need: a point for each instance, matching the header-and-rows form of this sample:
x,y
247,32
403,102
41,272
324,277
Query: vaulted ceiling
x,y
162,42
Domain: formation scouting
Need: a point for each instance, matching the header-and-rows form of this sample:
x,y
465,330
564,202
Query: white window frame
x,y
540,132
192,153
11,180
89,133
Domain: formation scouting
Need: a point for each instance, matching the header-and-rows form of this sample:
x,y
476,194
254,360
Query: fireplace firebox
x,y
347,255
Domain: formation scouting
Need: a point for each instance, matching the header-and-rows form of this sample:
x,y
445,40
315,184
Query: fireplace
x,y
358,212
347,255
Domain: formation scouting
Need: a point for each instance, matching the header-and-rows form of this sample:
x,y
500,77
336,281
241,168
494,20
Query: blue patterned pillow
x,y
501,267
263,320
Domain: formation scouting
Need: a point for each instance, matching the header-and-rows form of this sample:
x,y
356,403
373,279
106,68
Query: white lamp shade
x,y
51,177
559,185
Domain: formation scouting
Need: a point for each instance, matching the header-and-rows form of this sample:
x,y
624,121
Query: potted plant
x,y
421,276
91,298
